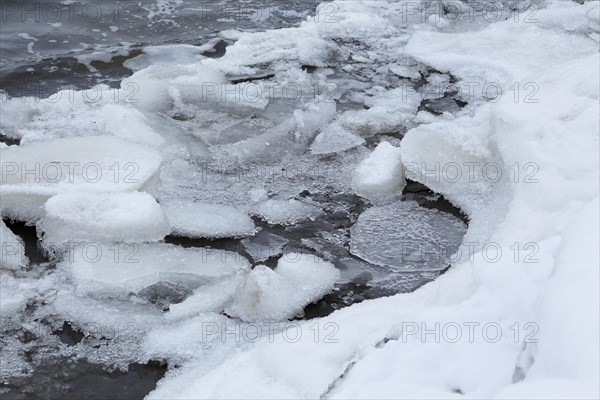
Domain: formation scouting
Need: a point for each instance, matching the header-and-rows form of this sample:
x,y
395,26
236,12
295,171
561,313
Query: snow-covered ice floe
x,y
281,293
380,176
117,270
192,219
32,173
102,217
286,212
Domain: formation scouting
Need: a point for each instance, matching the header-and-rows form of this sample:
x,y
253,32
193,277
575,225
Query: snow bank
x,y
569,307
102,217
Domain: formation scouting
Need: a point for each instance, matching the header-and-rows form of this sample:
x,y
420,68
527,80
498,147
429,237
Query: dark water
x,y
41,39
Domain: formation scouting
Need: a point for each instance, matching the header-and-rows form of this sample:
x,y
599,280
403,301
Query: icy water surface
x,y
87,43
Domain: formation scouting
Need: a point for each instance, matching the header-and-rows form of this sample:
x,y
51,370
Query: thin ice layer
x,y
407,237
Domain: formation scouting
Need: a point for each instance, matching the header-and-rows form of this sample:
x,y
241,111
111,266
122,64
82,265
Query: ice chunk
x,y
279,294
103,217
13,298
380,176
335,139
264,245
192,219
291,136
251,49
407,237
184,340
130,124
157,86
282,212
169,54
12,249
33,173
106,318
405,71
212,297
118,270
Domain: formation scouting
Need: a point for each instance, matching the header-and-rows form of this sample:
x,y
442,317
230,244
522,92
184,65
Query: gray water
x,y
40,39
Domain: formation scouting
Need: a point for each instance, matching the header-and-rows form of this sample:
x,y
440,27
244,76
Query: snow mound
x,y
192,219
380,176
32,173
103,217
282,293
407,237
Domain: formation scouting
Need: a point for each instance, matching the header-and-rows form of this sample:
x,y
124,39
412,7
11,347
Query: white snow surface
x,y
286,212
